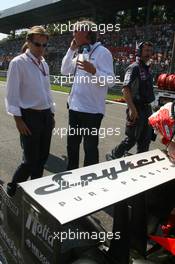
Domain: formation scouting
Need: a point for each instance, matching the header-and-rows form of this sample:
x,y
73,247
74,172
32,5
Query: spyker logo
x,y
109,173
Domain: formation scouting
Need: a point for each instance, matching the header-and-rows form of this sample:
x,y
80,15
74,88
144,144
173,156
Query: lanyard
x,y
94,50
89,57
42,70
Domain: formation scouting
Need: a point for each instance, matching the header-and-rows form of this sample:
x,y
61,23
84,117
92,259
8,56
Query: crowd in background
x,y
122,44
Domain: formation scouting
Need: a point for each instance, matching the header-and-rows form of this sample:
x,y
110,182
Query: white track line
x,y
109,101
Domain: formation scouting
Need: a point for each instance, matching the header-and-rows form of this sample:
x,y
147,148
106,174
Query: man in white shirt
x,y
87,98
29,100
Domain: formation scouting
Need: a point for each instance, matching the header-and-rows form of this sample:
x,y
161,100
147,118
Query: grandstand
x,y
122,43
49,11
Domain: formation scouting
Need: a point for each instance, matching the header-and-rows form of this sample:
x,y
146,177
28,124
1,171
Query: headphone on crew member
x,y
139,48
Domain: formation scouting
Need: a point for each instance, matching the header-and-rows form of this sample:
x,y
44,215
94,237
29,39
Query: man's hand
x,y
73,45
133,114
21,126
86,66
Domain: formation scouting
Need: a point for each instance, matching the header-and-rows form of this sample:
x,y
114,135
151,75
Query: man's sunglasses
x,y
37,44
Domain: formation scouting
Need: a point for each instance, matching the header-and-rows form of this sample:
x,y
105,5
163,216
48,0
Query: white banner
x,y
73,194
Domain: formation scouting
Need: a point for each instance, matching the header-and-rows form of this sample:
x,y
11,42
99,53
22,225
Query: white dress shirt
x,y
89,96
27,87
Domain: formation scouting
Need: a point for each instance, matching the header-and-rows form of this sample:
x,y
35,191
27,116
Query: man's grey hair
x,y
90,27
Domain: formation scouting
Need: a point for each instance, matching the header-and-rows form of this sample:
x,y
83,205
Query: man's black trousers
x,y
86,126
35,146
139,133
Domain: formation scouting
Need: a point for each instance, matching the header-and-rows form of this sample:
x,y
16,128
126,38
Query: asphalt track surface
x,y
10,155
